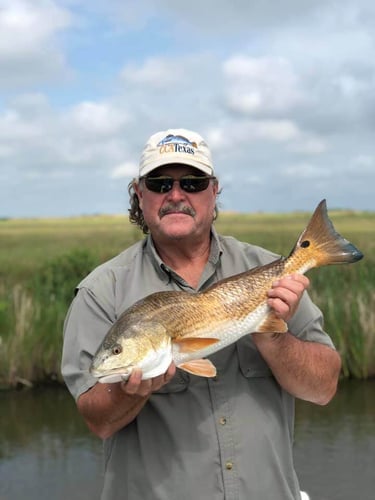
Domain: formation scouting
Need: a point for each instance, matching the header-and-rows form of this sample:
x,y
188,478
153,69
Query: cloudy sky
x,y
283,92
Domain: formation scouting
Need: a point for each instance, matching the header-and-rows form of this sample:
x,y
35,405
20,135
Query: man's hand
x,y
285,294
307,370
108,408
136,386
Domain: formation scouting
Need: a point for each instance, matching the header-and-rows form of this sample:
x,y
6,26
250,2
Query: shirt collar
x,y
156,261
163,270
216,248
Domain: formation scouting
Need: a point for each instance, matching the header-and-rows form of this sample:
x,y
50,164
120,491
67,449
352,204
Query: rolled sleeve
x,y
308,323
85,326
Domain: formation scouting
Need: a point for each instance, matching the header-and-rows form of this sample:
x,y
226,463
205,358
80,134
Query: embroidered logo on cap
x,y
176,144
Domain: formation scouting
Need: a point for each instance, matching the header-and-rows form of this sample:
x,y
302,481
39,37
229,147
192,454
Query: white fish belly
x,y
154,366
227,332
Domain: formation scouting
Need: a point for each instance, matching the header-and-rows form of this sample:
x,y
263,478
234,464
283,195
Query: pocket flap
x,y
250,360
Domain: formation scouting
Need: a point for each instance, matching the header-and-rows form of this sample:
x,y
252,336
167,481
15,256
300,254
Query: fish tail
x,y
320,244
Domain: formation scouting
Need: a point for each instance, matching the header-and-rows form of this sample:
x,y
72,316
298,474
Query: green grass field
x,y
42,259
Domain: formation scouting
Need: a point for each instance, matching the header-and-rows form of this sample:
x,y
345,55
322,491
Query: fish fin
x,y
272,324
201,367
193,344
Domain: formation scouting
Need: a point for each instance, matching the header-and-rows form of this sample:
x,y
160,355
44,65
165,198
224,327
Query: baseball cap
x,y
176,146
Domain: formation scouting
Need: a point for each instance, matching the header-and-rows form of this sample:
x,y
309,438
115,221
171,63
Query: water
x,y
47,453
335,445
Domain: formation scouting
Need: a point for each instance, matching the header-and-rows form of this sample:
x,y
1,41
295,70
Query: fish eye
x,y
305,244
117,349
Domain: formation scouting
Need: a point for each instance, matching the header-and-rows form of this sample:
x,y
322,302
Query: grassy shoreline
x,y
41,260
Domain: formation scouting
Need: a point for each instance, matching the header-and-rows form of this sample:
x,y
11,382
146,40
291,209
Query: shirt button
x,y
223,420
229,465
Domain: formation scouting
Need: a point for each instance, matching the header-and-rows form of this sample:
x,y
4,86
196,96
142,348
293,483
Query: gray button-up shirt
x,y
226,438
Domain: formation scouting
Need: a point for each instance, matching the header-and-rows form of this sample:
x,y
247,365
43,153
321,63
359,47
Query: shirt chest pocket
x,y
251,362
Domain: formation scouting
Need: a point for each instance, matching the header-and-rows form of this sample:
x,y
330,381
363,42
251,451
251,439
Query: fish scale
x,y
186,327
227,331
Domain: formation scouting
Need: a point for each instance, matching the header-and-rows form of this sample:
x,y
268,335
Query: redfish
x,y
186,327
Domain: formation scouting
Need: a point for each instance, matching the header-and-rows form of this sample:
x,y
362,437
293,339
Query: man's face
x,y
177,214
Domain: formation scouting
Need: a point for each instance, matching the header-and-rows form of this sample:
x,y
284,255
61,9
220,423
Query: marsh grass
x,y
31,342
41,261
347,298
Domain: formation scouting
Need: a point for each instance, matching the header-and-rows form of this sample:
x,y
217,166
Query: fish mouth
x,y
121,372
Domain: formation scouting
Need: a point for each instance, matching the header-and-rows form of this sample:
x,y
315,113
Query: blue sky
x,y
283,92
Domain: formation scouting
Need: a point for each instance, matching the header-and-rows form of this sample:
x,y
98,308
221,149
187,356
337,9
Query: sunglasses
x,y
188,183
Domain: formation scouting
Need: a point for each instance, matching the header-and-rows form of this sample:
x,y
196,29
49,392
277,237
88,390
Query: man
x,y
180,436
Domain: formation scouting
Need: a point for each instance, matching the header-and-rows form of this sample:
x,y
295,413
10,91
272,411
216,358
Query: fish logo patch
x,y
176,144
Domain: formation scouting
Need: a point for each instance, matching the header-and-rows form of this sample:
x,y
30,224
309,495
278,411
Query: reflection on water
x,y
335,445
46,451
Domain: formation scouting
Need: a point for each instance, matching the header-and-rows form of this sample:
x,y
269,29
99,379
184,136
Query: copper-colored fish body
x,y
186,327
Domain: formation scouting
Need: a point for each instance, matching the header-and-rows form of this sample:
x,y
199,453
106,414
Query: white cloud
x,y
283,93
306,171
97,119
36,137
308,145
127,169
26,25
351,86
234,134
13,128
364,164
275,130
155,72
5,151
215,17
28,51
261,84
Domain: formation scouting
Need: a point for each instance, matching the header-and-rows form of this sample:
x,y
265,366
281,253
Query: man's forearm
x,y
106,408
307,370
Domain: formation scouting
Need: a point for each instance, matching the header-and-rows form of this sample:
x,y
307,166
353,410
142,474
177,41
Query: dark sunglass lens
x,y
189,183
194,184
159,184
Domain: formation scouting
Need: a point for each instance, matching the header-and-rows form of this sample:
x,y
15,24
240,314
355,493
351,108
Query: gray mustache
x,y
179,208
